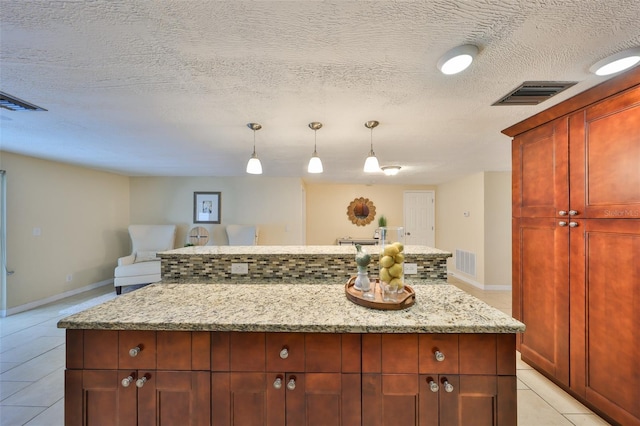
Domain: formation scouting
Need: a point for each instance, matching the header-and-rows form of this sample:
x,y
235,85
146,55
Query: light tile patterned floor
x,y
32,370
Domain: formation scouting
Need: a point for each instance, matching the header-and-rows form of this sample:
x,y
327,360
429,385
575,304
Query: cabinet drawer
x,y
285,351
137,349
438,353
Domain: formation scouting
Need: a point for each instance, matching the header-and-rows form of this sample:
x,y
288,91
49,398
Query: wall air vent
x,y
15,104
534,92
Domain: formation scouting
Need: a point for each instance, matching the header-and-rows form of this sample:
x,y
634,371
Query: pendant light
x,y
315,164
371,164
254,166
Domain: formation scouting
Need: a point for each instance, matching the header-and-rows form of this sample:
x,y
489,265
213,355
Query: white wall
x,y
275,205
486,231
81,215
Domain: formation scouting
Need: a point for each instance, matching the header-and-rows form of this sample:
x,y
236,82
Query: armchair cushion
x,y
242,235
146,256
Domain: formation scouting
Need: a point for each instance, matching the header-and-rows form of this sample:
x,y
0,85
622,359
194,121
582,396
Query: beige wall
x,y
82,215
327,209
275,205
487,229
497,227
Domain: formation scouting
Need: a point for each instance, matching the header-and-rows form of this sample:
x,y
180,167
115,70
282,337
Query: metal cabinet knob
x,y
439,356
448,387
433,386
278,383
141,381
573,224
134,351
562,212
291,385
573,212
284,353
562,223
127,381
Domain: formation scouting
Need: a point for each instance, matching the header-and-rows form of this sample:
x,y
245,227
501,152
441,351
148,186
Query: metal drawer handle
x,y
284,353
433,386
573,224
141,381
135,351
278,383
562,223
562,212
573,212
448,387
439,356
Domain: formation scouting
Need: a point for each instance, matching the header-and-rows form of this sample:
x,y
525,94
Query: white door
x,y
419,218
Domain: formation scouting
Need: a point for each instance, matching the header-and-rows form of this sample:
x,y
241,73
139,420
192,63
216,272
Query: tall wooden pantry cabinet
x,y
576,244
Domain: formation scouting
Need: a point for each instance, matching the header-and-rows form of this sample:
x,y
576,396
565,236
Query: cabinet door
x,y
605,315
248,399
540,185
541,292
174,397
605,158
475,400
97,397
323,399
390,400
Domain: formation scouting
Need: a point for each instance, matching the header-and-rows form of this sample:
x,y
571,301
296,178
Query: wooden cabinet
x,y
285,378
438,380
136,378
576,236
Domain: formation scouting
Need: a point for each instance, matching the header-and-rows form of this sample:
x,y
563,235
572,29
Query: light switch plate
x,y
410,268
240,268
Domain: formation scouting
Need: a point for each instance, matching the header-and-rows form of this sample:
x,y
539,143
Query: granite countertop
x,y
294,250
316,308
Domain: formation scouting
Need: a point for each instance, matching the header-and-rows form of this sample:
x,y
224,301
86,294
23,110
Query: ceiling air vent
x,y
14,104
534,92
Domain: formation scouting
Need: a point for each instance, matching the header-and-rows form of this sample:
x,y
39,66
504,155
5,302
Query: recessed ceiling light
x,y
391,170
457,59
617,62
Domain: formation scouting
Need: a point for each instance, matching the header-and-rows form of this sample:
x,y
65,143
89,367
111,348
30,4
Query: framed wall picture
x,y
206,207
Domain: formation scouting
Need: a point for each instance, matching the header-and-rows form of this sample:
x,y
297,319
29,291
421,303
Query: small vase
x,y
391,262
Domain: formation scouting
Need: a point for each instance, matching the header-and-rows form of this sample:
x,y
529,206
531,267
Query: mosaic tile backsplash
x,y
215,265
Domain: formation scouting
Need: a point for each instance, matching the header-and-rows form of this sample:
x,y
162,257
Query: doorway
x,y
419,218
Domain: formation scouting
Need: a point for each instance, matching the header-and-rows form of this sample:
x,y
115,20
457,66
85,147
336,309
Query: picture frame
x,y
206,207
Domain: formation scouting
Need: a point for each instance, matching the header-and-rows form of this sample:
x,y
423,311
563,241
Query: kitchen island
x,y
282,263
240,354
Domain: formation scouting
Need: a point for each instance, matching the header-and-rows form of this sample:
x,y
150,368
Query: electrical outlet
x,y
240,268
69,278
410,268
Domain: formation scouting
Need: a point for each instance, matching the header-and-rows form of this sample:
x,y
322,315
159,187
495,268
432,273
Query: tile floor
x,y
32,354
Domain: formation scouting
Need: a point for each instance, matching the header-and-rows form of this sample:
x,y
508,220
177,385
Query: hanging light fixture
x,y
371,164
315,164
390,170
254,166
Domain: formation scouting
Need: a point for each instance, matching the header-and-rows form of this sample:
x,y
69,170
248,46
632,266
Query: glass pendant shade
x,y
371,164
315,164
254,166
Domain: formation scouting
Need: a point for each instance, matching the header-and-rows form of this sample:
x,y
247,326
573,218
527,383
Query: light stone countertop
x,y
295,250
316,308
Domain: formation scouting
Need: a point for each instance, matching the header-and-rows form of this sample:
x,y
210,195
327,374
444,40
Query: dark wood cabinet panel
x,y
605,324
605,158
575,276
541,270
540,185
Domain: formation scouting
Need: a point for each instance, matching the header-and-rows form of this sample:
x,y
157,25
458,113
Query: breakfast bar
x,y
265,353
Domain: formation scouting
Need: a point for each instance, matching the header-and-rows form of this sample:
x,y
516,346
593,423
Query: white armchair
x,y
242,235
142,266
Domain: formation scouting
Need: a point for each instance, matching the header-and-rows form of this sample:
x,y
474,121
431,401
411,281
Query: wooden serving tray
x,y
407,299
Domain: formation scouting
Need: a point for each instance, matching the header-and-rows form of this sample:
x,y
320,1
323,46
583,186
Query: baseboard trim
x,y
37,303
479,285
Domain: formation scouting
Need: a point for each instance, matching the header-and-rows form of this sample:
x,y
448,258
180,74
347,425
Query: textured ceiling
x,y
167,87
